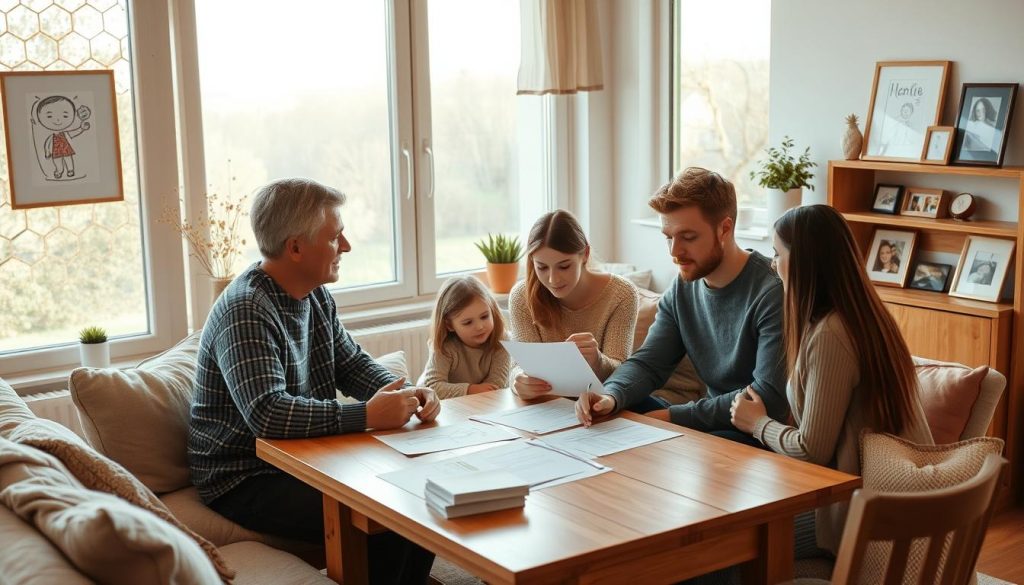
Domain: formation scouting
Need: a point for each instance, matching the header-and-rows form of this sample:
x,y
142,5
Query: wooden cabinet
x,y
936,325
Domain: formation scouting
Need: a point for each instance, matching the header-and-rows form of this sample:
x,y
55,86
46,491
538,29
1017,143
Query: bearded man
x,y
724,311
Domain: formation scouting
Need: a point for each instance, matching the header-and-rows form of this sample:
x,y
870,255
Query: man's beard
x,y
702,269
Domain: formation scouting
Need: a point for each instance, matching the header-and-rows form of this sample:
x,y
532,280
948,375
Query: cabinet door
x,y
950,337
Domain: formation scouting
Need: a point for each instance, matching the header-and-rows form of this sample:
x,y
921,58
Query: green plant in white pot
x,y
784,176
502,254
94,349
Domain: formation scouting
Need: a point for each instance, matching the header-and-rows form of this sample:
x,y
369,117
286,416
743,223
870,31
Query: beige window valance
x,y
561,48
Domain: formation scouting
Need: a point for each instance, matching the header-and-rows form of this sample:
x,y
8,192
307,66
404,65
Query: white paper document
x,y
609,437
536,466
447,437
560,364
546,417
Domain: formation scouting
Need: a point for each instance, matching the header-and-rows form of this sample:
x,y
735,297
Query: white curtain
x,y
561,48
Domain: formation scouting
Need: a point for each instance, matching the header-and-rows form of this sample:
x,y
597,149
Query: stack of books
x,y
475,492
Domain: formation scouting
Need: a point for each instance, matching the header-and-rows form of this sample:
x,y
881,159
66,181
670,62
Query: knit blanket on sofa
x,y
99,473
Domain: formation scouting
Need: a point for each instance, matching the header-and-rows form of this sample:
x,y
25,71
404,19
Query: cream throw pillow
x,y
139,416
393,362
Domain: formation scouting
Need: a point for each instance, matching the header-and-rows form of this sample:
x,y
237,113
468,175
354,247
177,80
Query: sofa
x,y
60,524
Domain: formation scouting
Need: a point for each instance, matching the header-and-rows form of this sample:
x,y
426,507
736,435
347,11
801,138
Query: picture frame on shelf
x,y
938,145
930,276
888,198
924,202
982,268
888,259
983,123
906,98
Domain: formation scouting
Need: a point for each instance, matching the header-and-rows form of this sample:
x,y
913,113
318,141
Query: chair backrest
x,y
953,520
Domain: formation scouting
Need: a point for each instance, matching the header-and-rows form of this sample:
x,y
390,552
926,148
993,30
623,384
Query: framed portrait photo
x,y
982,269
906,98
938,144
930,276
983,123
887,198
62,138
888,261
922,202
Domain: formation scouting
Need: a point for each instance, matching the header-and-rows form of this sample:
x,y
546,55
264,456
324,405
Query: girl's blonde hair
x,y
456,294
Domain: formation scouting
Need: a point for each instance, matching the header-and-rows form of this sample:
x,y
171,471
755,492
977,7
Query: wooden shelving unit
x,y
939,326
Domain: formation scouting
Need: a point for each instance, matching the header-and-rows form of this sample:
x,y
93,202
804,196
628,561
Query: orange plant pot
x,y
502,277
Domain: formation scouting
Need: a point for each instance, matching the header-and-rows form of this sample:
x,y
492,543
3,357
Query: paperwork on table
x,y
618,434
539,419
560,364
443,438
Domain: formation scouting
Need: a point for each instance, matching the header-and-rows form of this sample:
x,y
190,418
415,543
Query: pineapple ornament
x,y
852,139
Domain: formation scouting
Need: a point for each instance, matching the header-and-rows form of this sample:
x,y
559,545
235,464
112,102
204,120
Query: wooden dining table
x,y
666,512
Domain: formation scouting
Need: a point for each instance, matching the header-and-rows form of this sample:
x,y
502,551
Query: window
x,y
66,267
720,88
399,104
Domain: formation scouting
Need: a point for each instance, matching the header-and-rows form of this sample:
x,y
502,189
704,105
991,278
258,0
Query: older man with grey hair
x,y
272,355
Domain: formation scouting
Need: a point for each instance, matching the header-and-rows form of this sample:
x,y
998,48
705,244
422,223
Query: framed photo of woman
x,y
906,98
983,124
888,261
982,268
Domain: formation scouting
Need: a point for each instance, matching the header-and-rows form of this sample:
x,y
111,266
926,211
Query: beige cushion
x,y
259,564
948,393
105,537
28,558
13,409
188,508
683,385
151,442
393,362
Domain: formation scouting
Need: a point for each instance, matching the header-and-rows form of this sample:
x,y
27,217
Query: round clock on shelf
x,y
962,206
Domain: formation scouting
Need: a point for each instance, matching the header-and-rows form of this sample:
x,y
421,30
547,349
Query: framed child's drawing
x,y
62,137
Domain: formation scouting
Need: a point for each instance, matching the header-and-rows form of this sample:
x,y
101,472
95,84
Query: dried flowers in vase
x,y
213,239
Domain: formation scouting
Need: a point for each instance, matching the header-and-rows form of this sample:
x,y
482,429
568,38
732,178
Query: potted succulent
x,y
93,348
502,254
784,176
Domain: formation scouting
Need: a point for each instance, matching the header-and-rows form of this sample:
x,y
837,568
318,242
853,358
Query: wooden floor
x,y
1002,555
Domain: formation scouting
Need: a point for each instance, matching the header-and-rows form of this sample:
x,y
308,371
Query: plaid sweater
x,y
268,367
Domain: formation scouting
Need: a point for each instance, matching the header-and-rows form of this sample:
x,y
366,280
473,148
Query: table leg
x,y
774,562
347,560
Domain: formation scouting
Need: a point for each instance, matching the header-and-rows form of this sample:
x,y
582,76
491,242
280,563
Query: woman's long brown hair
x,y
825,274
560,231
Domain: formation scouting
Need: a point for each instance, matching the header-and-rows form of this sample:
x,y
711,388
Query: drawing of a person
x,y
57,114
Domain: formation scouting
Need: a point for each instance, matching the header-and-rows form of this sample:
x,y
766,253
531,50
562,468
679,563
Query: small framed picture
x,y
938,144
887,198
906,98
983,124
922,202
888,261
930,276
982,268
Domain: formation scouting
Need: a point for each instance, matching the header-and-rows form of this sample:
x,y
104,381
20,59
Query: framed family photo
x,y
906,98
938,144
982,268
887,198
922,202
888,261
982,126
930,276
62,137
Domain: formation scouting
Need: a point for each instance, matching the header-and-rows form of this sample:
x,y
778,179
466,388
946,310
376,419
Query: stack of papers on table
x,y
475,492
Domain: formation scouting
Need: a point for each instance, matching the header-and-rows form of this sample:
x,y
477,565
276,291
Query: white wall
x,y
822,63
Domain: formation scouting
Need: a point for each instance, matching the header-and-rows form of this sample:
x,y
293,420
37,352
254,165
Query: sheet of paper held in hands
x,y
447,437
618,434
536,465
560,364
539,419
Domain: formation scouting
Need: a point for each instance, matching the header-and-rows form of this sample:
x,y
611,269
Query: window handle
x,y
430,153
408,172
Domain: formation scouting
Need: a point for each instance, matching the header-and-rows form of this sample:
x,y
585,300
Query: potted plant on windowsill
x,y
784,176
94,349
502,254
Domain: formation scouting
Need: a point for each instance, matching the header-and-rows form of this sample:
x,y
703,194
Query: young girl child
x,y
465,354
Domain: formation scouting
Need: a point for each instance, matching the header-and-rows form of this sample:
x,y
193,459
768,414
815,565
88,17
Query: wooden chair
x,y
958,515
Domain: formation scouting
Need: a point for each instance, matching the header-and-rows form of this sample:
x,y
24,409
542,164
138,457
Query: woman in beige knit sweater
x,y
563,300
849,367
